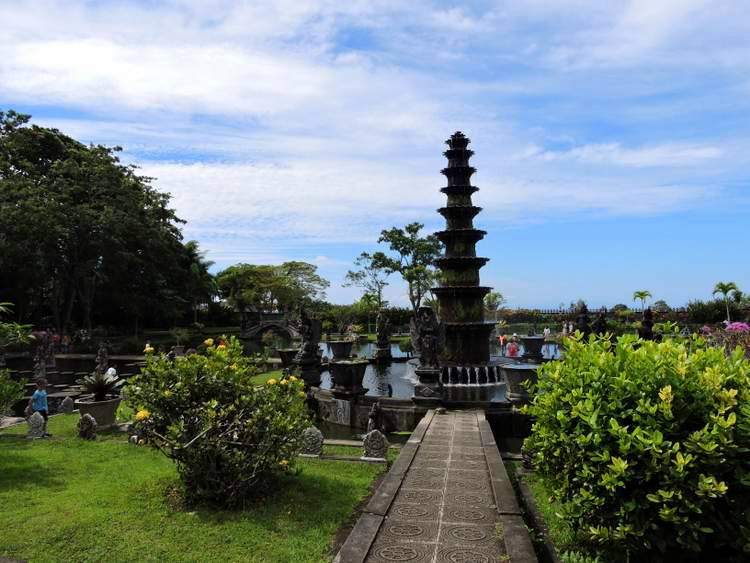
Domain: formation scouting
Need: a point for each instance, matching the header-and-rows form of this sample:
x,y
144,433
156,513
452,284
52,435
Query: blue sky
x,y
611,138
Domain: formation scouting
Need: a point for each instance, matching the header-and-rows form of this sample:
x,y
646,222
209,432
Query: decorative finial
x,y
458,141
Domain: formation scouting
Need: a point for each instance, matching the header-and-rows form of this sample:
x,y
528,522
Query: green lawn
x,y
64,499
261,378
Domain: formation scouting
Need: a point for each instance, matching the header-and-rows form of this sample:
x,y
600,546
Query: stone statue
x,y
428,330
375,445
87,427
600,324
312,442
308,357
36,426
67,405
582,321
383,344
375,418
647,325
383,329
102,359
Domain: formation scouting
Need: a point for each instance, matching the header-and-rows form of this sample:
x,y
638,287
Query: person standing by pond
x,y
512,349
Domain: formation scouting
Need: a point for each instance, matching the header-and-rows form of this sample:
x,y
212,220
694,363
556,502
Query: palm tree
x,y
201,284
641,295
726,289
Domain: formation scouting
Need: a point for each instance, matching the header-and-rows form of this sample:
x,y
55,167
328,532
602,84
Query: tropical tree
x,y
493,302
726,289
642,295
370,277
201,284
11,332
661,306
83,235
413,257
271,288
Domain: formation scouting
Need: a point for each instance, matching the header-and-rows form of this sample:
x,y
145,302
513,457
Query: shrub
x,y
647,443
225,433
10,391
713,311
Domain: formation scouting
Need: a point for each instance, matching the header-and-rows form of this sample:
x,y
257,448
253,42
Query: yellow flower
x,y
283,463
271,382
142,415
233,366
208,342
284,382
148,350
292,378
220,347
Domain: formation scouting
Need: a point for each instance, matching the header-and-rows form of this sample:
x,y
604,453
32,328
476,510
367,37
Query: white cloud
x,y
667,155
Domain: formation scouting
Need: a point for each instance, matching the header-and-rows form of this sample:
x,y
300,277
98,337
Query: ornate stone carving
x,y
87,427
647,325
67,405
375,445
312,441
36,426
102,359
308,357
600,324
375,418
428,330
582,321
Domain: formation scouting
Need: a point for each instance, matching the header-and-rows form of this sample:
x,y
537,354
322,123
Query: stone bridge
x,y
254,324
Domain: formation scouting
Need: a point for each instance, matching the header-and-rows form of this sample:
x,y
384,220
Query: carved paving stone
x,y
67,405
36,426
312,441
375,445
445,509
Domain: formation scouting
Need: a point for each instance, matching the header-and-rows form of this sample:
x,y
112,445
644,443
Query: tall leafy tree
x,y
493,302
271,288
201,284
370,277
412,256
726,289
82,235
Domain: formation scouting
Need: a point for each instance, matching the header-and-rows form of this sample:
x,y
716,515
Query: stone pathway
x,y
446,499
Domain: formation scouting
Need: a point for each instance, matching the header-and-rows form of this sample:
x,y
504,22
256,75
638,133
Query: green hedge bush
x,y
225,433
648,444
10,391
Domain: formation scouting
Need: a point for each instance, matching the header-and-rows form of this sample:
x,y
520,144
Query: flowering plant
x,y
225,433
646,444
738,327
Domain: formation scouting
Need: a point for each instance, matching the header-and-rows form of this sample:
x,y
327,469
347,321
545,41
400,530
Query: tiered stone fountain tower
x,y
465,355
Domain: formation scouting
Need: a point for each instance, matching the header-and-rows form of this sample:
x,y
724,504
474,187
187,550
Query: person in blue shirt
x,y
38,402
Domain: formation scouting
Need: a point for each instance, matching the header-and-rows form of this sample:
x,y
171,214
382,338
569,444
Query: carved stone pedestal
x,y
383,353
427,392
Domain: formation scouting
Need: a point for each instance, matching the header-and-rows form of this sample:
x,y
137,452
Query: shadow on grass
x,y
307,500
23,472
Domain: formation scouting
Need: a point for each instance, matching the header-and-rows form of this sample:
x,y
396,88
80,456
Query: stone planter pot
x,y
515,376
347,377
532,348
341,349
102,411
287,356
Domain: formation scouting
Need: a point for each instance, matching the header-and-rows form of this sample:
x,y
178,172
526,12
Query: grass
x,y
261,378
561,533
64,499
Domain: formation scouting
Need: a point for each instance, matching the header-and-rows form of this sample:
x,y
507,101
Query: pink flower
x,y
738,327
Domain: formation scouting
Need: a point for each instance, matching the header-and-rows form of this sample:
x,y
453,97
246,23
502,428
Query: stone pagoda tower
x,y
466,348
